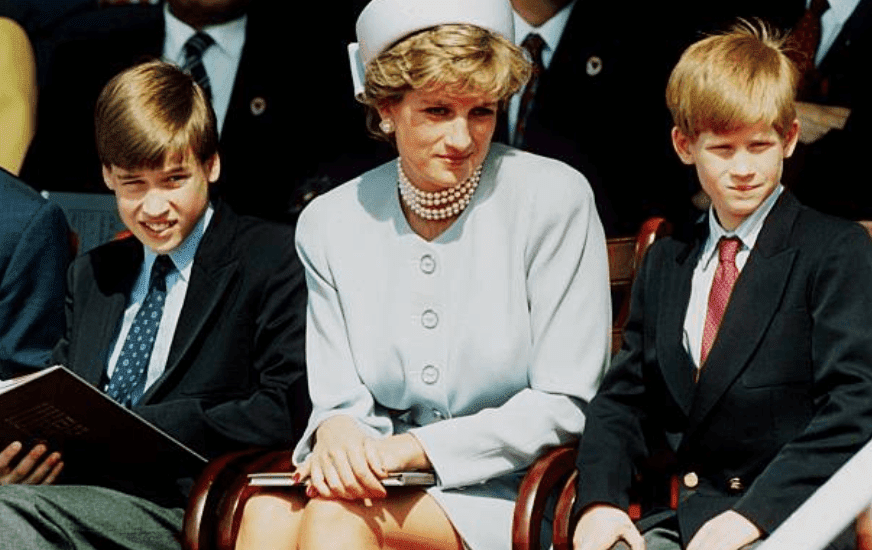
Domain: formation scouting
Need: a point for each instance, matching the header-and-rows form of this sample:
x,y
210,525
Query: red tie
x,y
722,285
805,39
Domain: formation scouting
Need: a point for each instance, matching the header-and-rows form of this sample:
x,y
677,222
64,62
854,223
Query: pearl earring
x,y
386,126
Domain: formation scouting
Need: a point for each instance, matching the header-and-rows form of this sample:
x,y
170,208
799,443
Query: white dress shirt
x,y
704,273
221,60
177,286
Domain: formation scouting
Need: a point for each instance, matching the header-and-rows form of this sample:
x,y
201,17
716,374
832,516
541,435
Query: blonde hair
x,y
150,111
463,58
732,80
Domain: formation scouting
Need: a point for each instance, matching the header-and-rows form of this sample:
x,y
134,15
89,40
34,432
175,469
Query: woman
x,y
458,302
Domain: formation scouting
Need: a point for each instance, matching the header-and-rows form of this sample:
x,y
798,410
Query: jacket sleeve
x,y
32,291
613,439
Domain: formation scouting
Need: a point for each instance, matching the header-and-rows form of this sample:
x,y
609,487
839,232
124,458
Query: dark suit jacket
x,y
34,253
839,157
283,140
785,397
235,372
611,124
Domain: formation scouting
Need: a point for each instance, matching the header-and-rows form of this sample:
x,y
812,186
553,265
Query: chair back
x,y
625,257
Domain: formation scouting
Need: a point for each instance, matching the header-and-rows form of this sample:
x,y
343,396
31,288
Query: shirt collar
x,y
747,232
183,255
550,31
840,10
229,37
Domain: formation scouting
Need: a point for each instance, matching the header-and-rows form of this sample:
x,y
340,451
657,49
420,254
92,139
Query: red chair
x,y
215,506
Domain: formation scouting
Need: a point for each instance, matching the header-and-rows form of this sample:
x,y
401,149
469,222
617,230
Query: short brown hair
x,y
732,80
149,111
464,58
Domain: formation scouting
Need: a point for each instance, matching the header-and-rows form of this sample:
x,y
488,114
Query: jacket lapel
x,y
212,271
677,369
755,299
114,278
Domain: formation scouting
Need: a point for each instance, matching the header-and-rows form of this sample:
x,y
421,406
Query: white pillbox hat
x,y
384,22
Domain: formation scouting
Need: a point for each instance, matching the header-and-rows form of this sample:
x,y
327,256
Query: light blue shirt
x,y
832,22
551,31
221,60
177,286
704,273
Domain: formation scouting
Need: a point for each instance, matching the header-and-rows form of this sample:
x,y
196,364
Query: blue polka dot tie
x,y
128,379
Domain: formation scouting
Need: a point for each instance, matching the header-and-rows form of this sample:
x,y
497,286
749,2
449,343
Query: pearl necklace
x,y
437,205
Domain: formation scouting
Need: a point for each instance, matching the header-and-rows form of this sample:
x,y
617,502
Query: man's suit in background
x,y
35,250
292,127
784,398
600,107
839,157
234,377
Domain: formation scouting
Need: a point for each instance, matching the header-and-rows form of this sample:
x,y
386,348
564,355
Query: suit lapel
x,y
753,303
677,369
114,277
212,271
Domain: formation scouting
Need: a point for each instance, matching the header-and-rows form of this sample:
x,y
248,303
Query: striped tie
x,y
194,49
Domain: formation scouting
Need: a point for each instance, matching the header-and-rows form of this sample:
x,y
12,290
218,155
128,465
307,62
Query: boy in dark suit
x,y
195,322
747,357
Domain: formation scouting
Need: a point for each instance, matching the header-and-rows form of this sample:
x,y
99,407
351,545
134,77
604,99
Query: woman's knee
x,y
330,523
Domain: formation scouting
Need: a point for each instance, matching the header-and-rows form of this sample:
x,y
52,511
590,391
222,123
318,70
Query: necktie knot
x,y
728,247
200,42
162,267
818,7
534,44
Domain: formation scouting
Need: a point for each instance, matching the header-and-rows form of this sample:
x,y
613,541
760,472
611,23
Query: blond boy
x,y
746,358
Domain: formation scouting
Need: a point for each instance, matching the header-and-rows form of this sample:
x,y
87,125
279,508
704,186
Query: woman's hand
x,y
399,453
344,462
34,468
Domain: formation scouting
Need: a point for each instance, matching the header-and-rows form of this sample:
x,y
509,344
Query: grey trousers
x,y
84,517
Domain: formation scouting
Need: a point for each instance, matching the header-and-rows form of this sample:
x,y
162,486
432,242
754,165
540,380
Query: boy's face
x,y
162,205
738,169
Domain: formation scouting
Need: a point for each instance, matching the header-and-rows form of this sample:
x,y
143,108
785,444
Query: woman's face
x,y
441,136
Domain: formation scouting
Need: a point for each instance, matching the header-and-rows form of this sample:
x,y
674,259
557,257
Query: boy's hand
x,y
603,525
34,468
726,531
